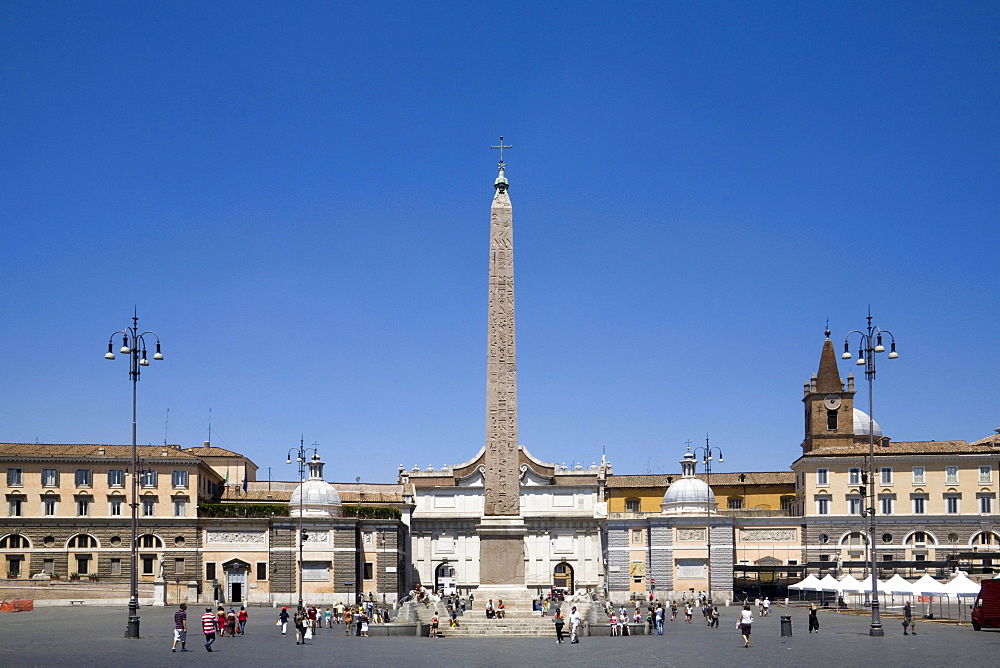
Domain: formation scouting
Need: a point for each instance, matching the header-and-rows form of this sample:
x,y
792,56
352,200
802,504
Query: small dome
x,y
315,496
689,495
861,423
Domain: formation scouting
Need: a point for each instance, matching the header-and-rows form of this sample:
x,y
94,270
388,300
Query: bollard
x,y
786,626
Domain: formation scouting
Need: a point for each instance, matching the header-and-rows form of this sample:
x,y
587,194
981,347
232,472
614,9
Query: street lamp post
x,y
301,459
706,458
134,345
870,344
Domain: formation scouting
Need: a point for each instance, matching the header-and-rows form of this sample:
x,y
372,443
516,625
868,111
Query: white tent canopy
x,y
810,583
961,585
897,585
829,583
850,584
928,586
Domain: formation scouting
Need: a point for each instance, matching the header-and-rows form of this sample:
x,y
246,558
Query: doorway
x,y
236,580
562,577
444,579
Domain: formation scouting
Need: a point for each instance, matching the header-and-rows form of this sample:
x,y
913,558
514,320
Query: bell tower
x,y
829,404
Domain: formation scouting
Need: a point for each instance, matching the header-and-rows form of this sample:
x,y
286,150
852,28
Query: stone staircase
x,y
519,619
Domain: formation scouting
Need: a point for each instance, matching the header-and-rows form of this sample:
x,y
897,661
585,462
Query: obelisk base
x,y
501,551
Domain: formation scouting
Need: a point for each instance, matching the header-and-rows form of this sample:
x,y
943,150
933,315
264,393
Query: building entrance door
x,y
236,580
562,577
444,579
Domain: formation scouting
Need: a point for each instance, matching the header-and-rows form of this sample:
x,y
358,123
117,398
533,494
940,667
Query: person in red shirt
x,y
208,622
242,617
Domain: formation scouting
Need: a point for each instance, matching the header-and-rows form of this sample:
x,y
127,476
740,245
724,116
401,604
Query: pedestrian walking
x,y
300,620
715,617
560,622
908,620
688,613
673,611
574,625
746,620
241,619
283,620
658,617
813,619
180,628
208,624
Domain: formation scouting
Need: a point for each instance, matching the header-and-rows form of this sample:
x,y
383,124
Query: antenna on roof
x,y
210,425
166,425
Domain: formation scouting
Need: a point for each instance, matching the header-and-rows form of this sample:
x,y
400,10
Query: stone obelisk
x,y
501,529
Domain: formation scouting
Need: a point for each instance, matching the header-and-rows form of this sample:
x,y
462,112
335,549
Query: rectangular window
x,y
116,566
49,506
918,475
735,503
985,475
854,476
886,475
985,504
210,571
631,505
14,477
822,476
148,564
823,506
82,565
115,507
148,507
16,506
50,477
147,479
951,505
261,570
831,420
854,505
116,478
180,507
179,566
887,505
49,566
951,475
179,479
369,570
84,478
919,505
82,506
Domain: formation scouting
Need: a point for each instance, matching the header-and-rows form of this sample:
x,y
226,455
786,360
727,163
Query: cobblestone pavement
x,y
85,635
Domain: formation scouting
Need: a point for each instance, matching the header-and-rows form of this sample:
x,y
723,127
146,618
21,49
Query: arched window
x,y
148,540
985,538
82,541
14,542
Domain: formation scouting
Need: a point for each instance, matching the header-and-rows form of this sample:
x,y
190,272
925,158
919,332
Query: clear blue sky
x,y
296,197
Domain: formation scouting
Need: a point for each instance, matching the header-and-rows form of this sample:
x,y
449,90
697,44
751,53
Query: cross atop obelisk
x,y
502,485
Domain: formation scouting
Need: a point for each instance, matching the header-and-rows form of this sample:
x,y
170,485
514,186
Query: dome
x,y
861,423
315,496
689,494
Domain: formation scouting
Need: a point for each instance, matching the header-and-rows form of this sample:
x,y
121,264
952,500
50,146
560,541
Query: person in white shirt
x,y
746,620
574,625
767,606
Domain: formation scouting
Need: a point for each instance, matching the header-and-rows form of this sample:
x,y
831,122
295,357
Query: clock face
x,y
832,402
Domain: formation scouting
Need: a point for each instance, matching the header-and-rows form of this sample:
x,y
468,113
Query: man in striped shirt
x,y
180,628
208,626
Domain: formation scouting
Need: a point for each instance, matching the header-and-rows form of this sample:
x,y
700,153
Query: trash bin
x,y
786,626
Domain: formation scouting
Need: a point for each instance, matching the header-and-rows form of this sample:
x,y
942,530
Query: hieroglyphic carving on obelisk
x,y
502,485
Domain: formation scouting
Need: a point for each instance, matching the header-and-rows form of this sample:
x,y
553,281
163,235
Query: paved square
x,y
93,636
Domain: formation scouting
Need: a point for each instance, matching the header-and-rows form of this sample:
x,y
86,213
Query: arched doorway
x,y
444,578
236,579
562,577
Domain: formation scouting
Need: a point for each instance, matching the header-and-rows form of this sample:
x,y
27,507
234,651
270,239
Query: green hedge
x,y
242,510
372,512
